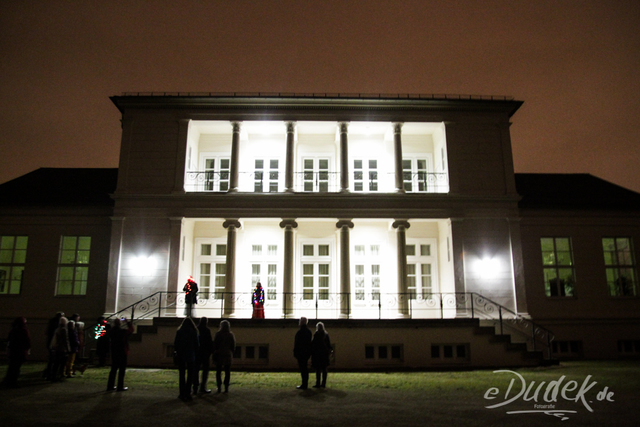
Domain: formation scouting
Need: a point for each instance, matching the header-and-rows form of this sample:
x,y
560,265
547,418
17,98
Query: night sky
x,y
575,64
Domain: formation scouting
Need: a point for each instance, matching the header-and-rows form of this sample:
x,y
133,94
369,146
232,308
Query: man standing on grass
x,y
302,351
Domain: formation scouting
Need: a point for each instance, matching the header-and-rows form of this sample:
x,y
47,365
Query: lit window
x,y
13,254
620,266
73,265
557,264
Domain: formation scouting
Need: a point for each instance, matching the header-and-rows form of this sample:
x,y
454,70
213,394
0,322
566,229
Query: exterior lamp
x,y
488,268
143,265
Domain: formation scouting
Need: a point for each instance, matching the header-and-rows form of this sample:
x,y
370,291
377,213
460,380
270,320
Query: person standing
x,y
60,347
186,346
19,343
119,339
320,352
74,344
302,351
102,336
190,290
257,301
224,345
204,356
52,325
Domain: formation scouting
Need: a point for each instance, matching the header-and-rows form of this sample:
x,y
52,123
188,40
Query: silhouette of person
x,y
224,345
190,296
60,347
257,301
186,346
52,325
204,356
102,336
19,346
302,351
320,352
119,339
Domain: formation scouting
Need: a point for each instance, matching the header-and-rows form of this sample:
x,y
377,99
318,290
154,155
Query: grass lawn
x,y
620,376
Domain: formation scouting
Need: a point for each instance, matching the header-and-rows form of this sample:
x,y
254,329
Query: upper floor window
x,y
216,173
73,265
365,175
416,176
13,255
315,175
266,176
557,265
620,266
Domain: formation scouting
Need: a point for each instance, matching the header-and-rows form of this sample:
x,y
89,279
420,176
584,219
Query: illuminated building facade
x,y
396,220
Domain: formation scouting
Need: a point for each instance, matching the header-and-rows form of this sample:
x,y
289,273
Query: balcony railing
x,y
312,182
326,305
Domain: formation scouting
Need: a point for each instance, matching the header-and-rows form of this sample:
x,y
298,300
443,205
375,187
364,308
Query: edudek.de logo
x,y
548,398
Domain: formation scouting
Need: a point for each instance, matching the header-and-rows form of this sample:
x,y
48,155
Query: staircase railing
x,y
358,305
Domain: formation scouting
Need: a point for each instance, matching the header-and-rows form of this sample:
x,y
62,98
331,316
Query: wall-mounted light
x,y
488,268
143,265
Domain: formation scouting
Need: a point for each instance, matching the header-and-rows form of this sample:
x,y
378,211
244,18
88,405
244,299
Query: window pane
x,y
205,249
323,250
307,250
411,250
425,250
221,250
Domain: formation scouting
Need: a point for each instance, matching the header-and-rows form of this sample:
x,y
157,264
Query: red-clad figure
x,y
257,301
190,296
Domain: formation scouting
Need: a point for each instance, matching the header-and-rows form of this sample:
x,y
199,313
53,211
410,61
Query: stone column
x,y
344,157
235,153
403,293
287,274
173,280
181,156
113,274
457,249
230,277
397,151
518,267
345,268
289,164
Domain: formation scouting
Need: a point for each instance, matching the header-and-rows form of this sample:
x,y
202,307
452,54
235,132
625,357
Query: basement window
x,y
629,347
567,348
252,353
392,353
450,352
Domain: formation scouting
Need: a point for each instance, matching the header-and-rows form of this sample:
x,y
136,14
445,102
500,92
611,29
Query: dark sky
x,y
575,64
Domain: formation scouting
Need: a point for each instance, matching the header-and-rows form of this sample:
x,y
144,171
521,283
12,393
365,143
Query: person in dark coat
x,y
119,339
52,325
203,358
302,351
320,352
102,336
19,346
224,345
60,348
186,345
190,290
74,345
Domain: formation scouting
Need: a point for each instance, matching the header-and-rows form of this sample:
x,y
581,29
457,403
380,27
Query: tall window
x,y
212,268
266,175
264,268
73,265
367,273
13,254
421,259
316,262
415,174
365,175
620,266
315,175
557,264
216,173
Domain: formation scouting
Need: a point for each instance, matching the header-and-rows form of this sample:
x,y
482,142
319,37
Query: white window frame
x,y
316,260
364,291
315,177
419,260
206,290
267,175
429,187
217,173
271,283
366,172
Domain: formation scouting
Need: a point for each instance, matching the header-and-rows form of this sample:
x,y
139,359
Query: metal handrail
x,y
470,304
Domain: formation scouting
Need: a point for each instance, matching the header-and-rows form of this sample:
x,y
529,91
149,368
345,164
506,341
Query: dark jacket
x,y
19,340
186,344
206,341
120,340
224,345
320,350
302,343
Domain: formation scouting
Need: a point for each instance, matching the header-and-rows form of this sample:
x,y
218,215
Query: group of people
x,y
194,348
64,340
317,348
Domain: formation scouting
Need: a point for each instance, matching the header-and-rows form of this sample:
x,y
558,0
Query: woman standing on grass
x,y
186,345
320,352
224,345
